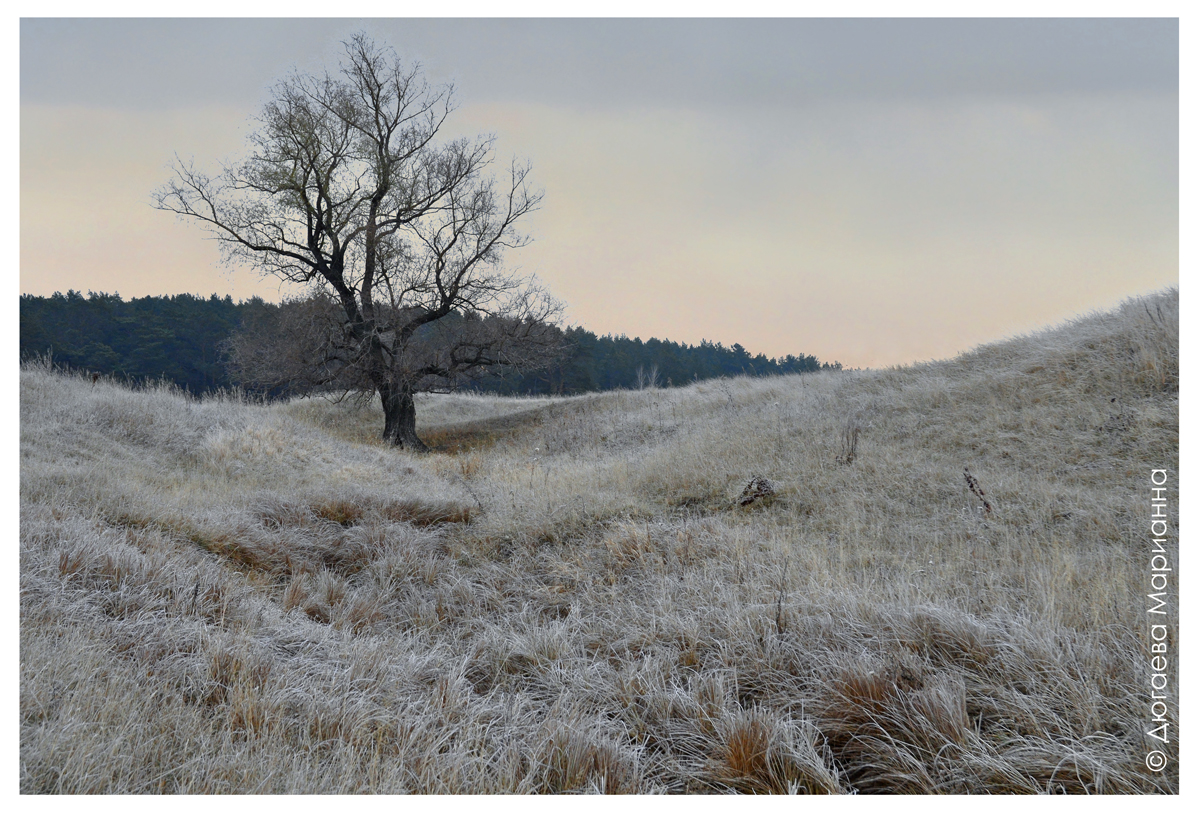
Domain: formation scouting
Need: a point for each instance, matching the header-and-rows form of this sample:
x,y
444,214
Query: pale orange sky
x,y
760,182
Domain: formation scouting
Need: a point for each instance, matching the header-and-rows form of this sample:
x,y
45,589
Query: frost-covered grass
x,y
223,596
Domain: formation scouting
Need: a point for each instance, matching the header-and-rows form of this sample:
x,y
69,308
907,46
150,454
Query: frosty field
x,y
224,596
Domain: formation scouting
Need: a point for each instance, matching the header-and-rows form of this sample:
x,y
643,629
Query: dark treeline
x,y
608,362
179,338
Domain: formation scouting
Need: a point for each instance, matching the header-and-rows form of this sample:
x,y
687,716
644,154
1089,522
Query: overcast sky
x,y
871,191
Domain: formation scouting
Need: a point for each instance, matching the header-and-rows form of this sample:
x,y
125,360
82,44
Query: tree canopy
x,y
351,190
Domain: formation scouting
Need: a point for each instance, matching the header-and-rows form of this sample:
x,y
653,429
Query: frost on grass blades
x,y
579,594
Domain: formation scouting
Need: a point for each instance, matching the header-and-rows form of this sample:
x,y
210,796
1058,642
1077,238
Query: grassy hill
x,y
223,596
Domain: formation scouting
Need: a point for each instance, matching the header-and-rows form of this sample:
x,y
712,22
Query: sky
x,y
875,192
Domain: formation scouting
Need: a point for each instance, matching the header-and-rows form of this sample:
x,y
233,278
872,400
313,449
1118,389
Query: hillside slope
x,y
223,596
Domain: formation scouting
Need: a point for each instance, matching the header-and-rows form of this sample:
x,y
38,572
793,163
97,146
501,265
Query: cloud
x,y
164,63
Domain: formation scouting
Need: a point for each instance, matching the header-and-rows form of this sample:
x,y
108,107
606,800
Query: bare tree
x,y
306,345
400,236
647,379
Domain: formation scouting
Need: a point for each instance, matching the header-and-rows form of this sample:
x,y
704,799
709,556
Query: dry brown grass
x,y
220,596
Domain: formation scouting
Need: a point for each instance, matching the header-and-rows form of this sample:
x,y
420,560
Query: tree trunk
x,y
400,418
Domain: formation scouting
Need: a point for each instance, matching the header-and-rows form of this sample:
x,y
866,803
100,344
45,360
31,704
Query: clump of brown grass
x,y
759,754
571,761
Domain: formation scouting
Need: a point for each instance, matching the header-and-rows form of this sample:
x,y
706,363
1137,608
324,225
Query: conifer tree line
x,y
181,338
178,338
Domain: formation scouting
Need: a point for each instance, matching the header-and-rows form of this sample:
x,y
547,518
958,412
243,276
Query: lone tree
x,y
399,236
